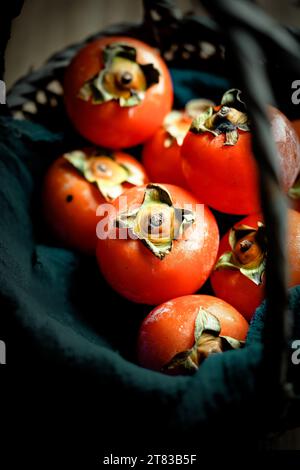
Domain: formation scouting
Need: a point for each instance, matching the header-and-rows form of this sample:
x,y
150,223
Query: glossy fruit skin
x,y
241,292
294,204
169,328
296,126
226,177
133,270
163,164
70,203
108,124
293,247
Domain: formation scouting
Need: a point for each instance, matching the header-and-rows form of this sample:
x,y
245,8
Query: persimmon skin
x,y
216,173
70,203
293,247
296,126
295,203
163,164
137,274
226,177
169,328
108,124
236,289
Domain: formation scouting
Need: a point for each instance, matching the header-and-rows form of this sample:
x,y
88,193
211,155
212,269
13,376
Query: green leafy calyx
x,y
157,223
122,78
103,170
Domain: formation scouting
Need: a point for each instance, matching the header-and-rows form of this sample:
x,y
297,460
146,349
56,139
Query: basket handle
x,y
251,36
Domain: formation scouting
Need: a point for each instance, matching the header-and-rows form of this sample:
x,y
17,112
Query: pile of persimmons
x,y
150,223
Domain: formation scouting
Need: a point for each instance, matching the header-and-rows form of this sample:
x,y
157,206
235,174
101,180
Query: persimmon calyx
x,y
208,341
177,123
104,171
248,252
157,223
226,119
122,78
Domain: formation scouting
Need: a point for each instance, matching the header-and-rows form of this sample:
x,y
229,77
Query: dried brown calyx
x,y
122,78
157,223
226,119
207,341
248,252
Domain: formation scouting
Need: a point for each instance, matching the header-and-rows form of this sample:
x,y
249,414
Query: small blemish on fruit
x,y
69,198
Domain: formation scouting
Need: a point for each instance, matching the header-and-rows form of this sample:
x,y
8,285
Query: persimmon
x,y
160,243
239,274
77,183
177,336
217,158
117,91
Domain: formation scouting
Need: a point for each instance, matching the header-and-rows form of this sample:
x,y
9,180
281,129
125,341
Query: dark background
x,y
48,26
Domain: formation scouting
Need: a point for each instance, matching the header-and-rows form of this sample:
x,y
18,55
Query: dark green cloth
x,y
76,344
